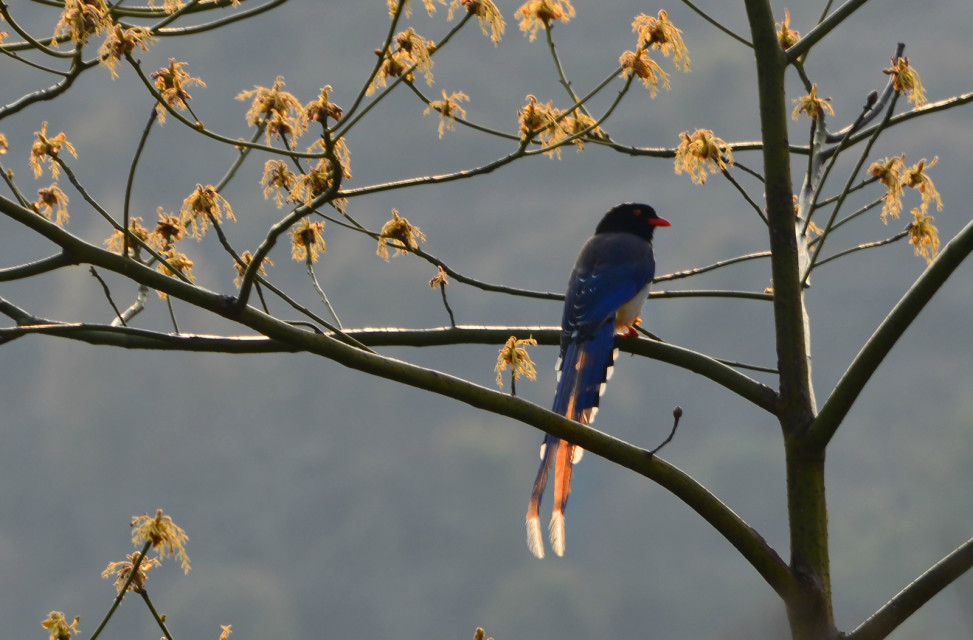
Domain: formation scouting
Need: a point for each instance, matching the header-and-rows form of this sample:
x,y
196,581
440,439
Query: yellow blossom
x,y
180,262
320,177
400,234
407,10
227,629
307,240
4,146
279,111
576,123
122,42
535,14
46,149
540,121
202,206
661,34
168,6
57,624
916,178
888,173
639,64
49,200
171,83
168,230
439,280
905,80
80,19
247,258
171,6
514,355
277,179
123,569
924,236
163,535
411,53
786,36
486,12
812,105
321,109
448,109
700,151
117,239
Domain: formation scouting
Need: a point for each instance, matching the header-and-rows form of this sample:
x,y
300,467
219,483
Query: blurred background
x,y
323,502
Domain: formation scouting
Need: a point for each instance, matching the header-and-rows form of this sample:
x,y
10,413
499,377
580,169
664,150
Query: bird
x,y
606,291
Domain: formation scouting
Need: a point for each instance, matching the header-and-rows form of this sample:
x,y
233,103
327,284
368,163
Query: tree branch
x,y
811,38
919,592
887,335
37,267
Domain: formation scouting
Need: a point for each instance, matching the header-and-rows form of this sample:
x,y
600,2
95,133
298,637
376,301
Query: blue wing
x,y
613,270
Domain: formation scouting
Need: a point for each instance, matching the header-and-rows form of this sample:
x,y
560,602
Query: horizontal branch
x,y
906,602
133,338
905,116
743,537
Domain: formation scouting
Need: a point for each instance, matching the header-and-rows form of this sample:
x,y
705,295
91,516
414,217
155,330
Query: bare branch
x,y
860,371
915,595
37,267
824,28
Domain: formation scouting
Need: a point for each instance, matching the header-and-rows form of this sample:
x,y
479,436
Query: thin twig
x,y
348,122
121,592
131,180
237,16
442,290
73,179
717,24
851,178
676,414
562,78
746,196
172,315
851,216
321,293
104,285
155,614
716,265
867,245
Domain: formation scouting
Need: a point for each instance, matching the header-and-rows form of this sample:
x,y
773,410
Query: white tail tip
x,y
557,533
535,542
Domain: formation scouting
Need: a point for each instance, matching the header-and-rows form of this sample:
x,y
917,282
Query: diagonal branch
x,y
36,267
743,537
919,592
886,336
824,28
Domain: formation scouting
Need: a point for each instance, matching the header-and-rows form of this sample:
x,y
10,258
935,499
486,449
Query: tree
x,y
311,185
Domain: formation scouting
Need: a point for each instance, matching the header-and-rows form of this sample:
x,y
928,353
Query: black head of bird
x,y
634,218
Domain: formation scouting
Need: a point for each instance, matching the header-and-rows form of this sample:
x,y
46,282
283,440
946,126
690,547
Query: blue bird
x,y
608,286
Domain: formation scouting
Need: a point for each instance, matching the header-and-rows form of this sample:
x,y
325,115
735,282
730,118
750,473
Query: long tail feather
x,y
557,533
564,466
584,367
535,542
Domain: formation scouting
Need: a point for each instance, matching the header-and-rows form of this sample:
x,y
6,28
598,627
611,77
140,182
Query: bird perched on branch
x,y
608,286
